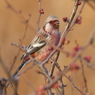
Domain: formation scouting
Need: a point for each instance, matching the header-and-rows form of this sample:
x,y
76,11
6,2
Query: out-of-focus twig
x,y
84,78
39,17
18,13
74,85
89,41
29,83
3,86
8,74
26,70
88,64
21,41
91,5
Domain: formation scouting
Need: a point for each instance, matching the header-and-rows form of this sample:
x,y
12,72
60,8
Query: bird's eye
x,y
55,23
51,22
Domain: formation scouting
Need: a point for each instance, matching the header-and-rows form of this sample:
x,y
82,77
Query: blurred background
x,y
12,30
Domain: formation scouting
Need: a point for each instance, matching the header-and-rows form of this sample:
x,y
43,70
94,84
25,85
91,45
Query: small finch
x,y
50,32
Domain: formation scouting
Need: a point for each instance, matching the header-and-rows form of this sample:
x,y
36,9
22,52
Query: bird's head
x,y
51,23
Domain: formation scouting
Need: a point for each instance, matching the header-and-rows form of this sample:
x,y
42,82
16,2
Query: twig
x,y
39,17
54,63
84,78
57,78
45,72
26,70
88,64
3,86
52,70
70,19
21,41
85,46
18,13
29,83
79,13
91,5
7,72
74,85
53,66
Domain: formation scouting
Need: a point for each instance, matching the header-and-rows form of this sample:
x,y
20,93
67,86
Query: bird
x,y
39,48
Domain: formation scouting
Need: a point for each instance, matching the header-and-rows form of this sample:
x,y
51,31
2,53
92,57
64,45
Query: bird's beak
x,y
56,24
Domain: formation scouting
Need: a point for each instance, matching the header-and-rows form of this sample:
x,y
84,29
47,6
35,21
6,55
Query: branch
x,y
70,19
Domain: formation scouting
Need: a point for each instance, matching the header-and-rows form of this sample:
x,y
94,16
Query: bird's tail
x,y
19,68
24,63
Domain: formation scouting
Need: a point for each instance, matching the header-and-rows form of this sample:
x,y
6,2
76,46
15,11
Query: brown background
x,y
12,29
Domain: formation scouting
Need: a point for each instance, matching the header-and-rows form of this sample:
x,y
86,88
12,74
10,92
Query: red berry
x,y
77,48
87,58
79,19
41,11
64,19
79,3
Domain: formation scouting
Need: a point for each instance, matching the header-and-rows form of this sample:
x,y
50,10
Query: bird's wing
x,y
34,48
36,44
